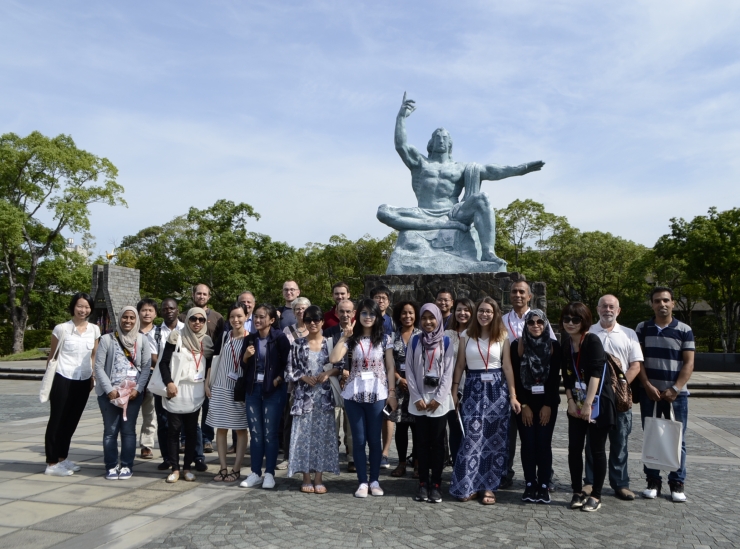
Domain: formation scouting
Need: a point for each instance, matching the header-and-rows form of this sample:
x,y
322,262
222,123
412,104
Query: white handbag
x,y
215,362
156,385
191,389
51,370
661,444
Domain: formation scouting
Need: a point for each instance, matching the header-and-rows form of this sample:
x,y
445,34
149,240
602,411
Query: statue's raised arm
x,y
408,153
492,172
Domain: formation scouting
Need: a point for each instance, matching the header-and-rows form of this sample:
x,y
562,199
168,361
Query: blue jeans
x,y
366,421
113,424
618,437
161,427
681,411
263,415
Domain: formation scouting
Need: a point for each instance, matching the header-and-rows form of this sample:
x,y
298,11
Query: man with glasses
x,y
444,301
621,342
339,292
291,292
520,295
382,296
147,309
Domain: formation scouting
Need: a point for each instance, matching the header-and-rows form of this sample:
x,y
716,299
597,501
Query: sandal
x,y
319,489
307,488
470,497
233,476
399,471
488,498
220,476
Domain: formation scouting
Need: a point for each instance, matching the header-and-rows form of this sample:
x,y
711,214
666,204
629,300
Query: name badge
x,y
486,376
199,375
367,376
233,375
538,389
402,367
581,386
131,372
260,377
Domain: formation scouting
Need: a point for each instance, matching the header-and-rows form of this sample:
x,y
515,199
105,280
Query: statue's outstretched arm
x,y
493,172
408,153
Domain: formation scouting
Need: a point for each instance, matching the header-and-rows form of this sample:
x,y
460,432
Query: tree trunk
x,y
20,319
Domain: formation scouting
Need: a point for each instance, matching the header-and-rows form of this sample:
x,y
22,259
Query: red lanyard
x,y
234,353
431,360
488,356
197,362
364,354
513,331
577,364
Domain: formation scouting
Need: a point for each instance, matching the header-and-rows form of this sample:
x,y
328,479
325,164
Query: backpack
x,y
415,342
620,387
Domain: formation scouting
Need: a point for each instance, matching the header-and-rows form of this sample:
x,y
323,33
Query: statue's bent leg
x,y
414,219
477,209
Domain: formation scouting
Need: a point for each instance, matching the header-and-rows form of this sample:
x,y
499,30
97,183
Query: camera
x,y
431,381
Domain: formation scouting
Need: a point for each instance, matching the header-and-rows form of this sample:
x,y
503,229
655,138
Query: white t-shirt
x,y
150,339
75,356
621,342
164,334
477,352
515,324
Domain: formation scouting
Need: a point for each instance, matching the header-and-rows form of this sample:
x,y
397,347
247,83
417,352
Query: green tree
x,y
39,173
707,249
523,221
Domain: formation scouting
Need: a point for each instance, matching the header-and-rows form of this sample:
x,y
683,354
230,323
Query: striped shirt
x,y
663,349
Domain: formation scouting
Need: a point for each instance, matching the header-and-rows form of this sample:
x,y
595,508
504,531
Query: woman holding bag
x,y
73,346
313,440
185,379
585,376
123,355
224,411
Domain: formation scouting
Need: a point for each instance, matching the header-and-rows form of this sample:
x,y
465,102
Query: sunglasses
x,y
367,314
197,319
532,322
572,320
311,320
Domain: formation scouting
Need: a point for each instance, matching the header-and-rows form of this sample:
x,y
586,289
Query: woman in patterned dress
x,y
313,447
405,316
488,397
370,384
224,412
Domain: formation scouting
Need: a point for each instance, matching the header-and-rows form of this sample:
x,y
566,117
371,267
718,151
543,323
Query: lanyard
x,y
576,365
364,354
431,360
488,355
197,362
513,331
234,353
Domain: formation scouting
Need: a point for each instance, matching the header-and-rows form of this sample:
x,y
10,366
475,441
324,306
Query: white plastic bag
x,y
51,370
662,438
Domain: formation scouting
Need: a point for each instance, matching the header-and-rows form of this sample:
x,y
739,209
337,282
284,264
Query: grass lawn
x,y
25,355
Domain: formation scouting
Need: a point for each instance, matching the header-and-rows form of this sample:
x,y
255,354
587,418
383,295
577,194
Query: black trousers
x,y
189,424
536,447
430,436
577,430
67,398
402,440
455,436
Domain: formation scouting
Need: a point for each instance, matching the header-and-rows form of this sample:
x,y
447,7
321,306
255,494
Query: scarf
x,y
431,339
128,339
536,358
192,340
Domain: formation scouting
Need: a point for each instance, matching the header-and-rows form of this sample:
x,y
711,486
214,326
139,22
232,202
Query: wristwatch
x,y
676,389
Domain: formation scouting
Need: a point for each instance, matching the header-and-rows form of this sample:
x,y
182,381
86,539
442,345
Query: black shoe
x,y
506,482
207,448
591,505
201,466
577,501
543,494
435,496
164,466
421,494
530,493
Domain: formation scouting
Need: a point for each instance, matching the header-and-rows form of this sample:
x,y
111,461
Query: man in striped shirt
x,y
668,347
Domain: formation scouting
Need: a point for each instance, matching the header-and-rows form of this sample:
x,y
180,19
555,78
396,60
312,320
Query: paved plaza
x,y
86,511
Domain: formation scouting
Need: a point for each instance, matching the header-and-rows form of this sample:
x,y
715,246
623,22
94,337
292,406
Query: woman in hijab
x,y
430,364
186,392
535,358
123,357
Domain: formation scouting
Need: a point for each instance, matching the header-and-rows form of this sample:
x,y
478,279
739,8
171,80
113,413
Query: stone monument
x,y
113,287
444,234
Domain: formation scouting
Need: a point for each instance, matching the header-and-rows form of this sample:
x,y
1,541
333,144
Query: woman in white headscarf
x,y
123,360
186,392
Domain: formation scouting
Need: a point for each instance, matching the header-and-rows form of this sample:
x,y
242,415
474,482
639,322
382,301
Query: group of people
x,y
462,377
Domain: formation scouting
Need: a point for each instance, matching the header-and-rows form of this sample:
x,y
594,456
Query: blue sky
x,y
290,106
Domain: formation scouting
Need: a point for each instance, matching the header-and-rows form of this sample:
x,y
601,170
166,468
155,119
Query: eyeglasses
x,y
485,313
197,319
290,290
367,314
572,320
532,322
380,298
311,320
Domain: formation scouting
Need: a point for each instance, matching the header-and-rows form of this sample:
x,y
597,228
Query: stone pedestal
x,y
423,288
113,287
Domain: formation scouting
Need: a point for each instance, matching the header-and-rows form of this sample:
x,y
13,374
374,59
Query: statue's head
x,y
440,142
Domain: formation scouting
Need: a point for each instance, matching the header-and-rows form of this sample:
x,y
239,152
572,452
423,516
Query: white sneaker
x,y
252,480
375,489
361,491
269,482
653,489
58,470
71,465
677,494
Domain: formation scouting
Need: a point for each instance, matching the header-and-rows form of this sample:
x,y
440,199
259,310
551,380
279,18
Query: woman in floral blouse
x,y
313,439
